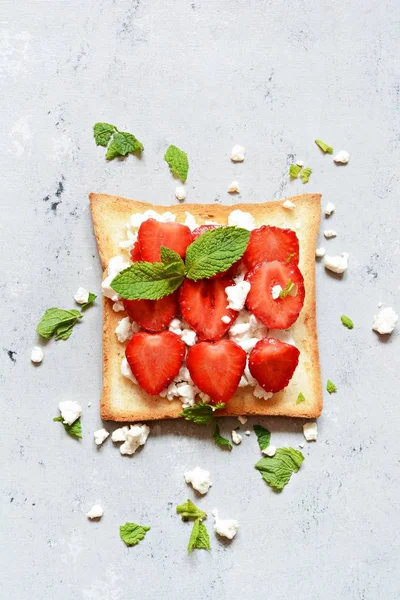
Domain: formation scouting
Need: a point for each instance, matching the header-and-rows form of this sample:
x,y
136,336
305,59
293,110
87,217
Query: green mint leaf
x,y
294,171
215,251
75,430
199,538
347,322
201,413
324,147
300,398
124,143
305,174
221,441
64,331
132,533
263,436
56,319
330,387
91,299
102,133
148,281
288,289
170,257
277,470
178,162
188,510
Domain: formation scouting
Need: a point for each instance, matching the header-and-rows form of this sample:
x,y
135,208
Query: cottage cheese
x,y
242,420
100,436
236,437
237,295
119,435
342,157
81,296
190,221
276,290
239,218
310,431
200,479
115,266
182,329
96,512
247,330
329,208
289,205
385,321
237,153
138,218
37,355
182,388
225,527
300,163
126,371
123,330
330,233
180,192
136,436
320,252
337,264
282,335
233,188
118,306
269,450
70,411
226,319
259,392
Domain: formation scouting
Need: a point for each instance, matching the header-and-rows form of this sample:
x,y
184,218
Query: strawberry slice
x,y
271,243
155,359
153,315
203,303
135,253
231,272
273,363
152,235
282,312
202,229
216,368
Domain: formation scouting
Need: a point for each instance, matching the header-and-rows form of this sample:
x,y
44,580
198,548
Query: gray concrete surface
x,y
204,75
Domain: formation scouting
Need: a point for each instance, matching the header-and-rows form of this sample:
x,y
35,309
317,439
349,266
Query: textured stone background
x,y
204,75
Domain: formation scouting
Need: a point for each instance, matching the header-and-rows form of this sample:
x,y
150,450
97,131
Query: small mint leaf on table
x,y
201,413
305,174
58,322
74,430
102,133
347,322
330,387
148,281
277,470
132,533
300,398
324,147
199,538
263,436
294,171
178,162
188,510
91,299
221,441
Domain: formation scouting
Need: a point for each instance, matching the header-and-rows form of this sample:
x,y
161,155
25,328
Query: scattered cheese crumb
x,y
233,188
226,319
118,307
100,436
248,432
236,437
89,404
81,296
96,512
70,411
180,192
319,253
385,321
276,290
37,355
288,204
123,330
225,527
136,436
380,304
329,208
330,233
337,264
342,157
119,435
310,431
300,163
301,445
269,450
237,294
200,479
237,153
242,420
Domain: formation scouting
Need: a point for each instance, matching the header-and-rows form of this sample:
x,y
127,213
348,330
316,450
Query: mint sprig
x,y
122,142
58,322
132,533
178,162
324,147
74,430
220,440
201,413
277,470
150,281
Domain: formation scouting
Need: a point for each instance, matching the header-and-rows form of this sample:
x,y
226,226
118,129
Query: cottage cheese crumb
x,y
242,420
301,445
310,431
100,436
300,163
200,479
329,208
180,192
248,432
126,371
190,221
115,266
233,188
289,205
380,304
342,157
37,355
118,306
237,295
237,153
136,436
269,450
320,252
385,321
259,392
70,411
119,435
337,264
240,218
81,296
330,233
276,290
123,330
236,437
226,319
96,512
225,527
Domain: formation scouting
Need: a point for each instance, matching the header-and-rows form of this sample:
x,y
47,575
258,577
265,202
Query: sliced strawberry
x,y
271,243
273,363
153,315
155,359
153,234
203,303
216,368
202,229
282,312
231,272
135,253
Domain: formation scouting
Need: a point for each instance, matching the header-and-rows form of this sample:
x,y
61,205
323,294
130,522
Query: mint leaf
x,y
288,289
347,322
57,321
123,143
305,174
170,257
91,299
188,510
215,251
64,331
102,133
300,398
75,430
330,387
199,538
324,147
277,470
263,436
294,171
201,413
178,162
132,533
148,281
221,441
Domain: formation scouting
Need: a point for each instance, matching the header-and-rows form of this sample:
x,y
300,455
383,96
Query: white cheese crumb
x,y
226,319
330,233
337,264
242,420
180,192
225,527
190,221
126,371
301,445
81,296
70,411
119,435
123,330
310,431
136,436
200,479
329,208
118,307
237,294
233,188
297,225
115,266
320,252
37,355
247,432
342,157
89,404
240,218
259,392
236,437
269,450
237,153
289,205
96,512
385,321
380,304
300,163
189,337
276,290
100,436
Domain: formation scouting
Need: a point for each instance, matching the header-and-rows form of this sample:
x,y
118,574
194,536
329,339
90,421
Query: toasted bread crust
x,y
123,401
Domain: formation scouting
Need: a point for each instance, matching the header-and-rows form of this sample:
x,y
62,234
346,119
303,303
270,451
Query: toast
x,y
122,400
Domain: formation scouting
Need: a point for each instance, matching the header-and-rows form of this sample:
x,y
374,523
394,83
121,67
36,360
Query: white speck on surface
x,y
310,431
136,436
233,188
380,304
70,411
20,134
289,205
300,163
237,294
37,355
242,420
329,209
329,233
342,157
320,252
96,512
236,437
238,153
301,445
385,321
226,319
200,479
269,450
225,527
100,436
337,264
247,432
81,296
180,193
276,290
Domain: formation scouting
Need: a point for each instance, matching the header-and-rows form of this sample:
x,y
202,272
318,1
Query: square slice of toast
x,y
122,400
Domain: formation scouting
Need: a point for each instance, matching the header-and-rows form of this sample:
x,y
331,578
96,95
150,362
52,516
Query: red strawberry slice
x,y
202,229
216,368
282,312
153,315
153,234
271,243
135,253
155,359
273,363
203,303
231,272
